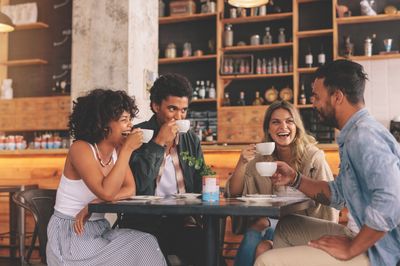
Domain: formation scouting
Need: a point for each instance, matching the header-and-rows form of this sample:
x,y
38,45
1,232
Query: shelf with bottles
x,y
259,47
32,26
314,52
256,93
186,18
377,40
177,60
24,62
323,134
277,34
204,123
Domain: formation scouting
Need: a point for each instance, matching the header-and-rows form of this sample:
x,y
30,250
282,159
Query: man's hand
x,y
261,224
167,133
80,220
336,246
284,174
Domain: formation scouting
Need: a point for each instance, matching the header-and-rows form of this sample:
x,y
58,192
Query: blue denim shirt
x,y
369,183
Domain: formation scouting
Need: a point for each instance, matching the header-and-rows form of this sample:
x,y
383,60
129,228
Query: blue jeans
x,y
247,249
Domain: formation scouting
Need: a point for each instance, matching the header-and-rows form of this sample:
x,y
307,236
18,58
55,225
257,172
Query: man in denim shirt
x,y
368,184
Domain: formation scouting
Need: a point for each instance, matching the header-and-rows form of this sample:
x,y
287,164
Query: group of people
x,y
108,161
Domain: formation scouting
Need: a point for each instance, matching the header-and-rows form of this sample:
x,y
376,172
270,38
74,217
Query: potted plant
x,y
210,182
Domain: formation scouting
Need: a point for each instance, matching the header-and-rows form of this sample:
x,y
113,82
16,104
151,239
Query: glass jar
x,y
187,49
228,35
170,51
281,36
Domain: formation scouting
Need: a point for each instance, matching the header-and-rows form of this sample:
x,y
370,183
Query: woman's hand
x,y
248,153
134,139
80,220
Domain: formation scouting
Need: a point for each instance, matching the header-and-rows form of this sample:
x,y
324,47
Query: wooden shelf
x,y
373,57
177,60
24,62
252,19
31,26
314,33
260,47
257,76
305,106
186,18
305,70
204,101
34,152
367,19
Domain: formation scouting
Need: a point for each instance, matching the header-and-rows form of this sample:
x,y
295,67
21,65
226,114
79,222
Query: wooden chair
x,y
40,202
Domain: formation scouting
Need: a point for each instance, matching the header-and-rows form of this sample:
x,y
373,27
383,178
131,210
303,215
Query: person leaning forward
x,y
368,184
159,170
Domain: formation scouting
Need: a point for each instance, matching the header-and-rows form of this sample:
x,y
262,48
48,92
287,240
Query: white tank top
x,y
74,195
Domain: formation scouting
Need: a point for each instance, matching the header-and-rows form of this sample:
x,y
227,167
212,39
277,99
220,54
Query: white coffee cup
x,y
266,168
265,148
147,135
183,125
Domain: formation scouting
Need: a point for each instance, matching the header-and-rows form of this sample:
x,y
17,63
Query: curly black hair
x,y
170,85
92,113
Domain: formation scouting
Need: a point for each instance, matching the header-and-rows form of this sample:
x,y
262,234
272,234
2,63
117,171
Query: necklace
x,y
100,160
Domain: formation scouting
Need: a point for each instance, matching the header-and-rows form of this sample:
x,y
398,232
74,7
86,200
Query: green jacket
x,y
146,161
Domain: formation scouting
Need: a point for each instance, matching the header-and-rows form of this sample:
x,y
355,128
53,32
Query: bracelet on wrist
x,y
297,180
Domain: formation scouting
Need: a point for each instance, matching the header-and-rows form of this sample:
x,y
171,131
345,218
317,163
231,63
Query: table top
x,y
224,207
16,188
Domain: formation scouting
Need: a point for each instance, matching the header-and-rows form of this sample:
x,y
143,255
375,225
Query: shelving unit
x,y
307,23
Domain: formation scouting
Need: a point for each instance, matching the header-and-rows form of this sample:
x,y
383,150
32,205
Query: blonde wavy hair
x,y
301,140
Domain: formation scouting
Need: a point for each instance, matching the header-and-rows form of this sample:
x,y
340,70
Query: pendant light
x,y
247,3
6,24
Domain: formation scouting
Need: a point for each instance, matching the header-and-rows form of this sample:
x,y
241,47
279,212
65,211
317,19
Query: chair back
x,y
40,202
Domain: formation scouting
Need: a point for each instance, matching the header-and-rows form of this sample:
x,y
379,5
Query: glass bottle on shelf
x,y
269,67
241,101
280,65
267,37
309,58
368,46
258,100
212,92
291,64
285,66
226,101
196,91
302,96
281,36
321,57
258,67
274,66
202,90
264,66
207,94
228,35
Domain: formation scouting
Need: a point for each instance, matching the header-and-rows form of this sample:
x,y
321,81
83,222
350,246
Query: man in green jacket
x,y
159,169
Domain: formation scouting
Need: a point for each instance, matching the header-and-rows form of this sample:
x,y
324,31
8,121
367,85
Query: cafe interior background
x,y
238,60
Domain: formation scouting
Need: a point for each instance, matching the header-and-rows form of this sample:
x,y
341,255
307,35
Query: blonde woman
x,y
282,125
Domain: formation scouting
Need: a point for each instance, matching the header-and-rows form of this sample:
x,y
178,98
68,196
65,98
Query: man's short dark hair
x,y
170,85
346,76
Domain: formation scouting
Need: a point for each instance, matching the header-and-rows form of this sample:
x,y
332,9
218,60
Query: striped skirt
x,y
99,244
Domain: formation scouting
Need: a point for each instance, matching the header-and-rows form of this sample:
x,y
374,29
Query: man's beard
x,y
327,116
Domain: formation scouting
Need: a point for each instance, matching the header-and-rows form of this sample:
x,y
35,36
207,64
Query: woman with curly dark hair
x,y
97,169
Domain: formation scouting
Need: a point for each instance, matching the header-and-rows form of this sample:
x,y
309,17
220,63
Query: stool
x,y
16,220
